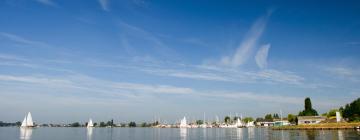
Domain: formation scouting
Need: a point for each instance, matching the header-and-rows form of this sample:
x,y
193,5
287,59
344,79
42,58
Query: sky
x,y
140,60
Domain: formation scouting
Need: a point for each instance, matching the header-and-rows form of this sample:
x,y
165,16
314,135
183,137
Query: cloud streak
x,y
243,52
104,5
261,56
22,40
47,2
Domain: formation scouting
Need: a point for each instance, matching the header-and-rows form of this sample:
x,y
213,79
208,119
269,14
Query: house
x,y
310,119
281,123
265,123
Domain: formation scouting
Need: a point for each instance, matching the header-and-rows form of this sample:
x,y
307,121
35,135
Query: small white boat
x,y
27,122
90,123
250,124
183,123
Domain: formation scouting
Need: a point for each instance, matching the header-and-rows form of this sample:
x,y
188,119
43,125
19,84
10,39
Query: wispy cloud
x,y
187,74
244,51
83,85
352,74
12,57
22,40
86,84
268,76
257,97
136,37
261,56
47,2
104,5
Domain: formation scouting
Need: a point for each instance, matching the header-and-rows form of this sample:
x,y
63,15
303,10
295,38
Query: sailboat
x,y
183,123
27,122
90,123
239,123
203,125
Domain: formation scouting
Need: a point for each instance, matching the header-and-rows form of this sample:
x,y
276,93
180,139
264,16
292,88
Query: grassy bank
x,y
320,126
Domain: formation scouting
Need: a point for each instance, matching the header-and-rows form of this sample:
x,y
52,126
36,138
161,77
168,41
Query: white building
x,y
310,119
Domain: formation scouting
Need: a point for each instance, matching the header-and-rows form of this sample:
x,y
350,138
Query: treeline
x,y
5,124
351,112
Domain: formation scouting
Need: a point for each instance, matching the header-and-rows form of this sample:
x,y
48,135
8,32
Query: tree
x,y
291,118
309,111
132,124
199,122
259,119
227,119
95,124
144,124
18,123
276,116
352,111
331,113
75,124
268,117
248,119
308,104
102,124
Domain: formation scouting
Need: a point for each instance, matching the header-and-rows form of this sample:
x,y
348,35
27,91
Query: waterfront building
x,y
310,119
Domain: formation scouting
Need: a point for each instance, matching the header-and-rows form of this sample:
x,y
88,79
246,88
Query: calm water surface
x,y
14,133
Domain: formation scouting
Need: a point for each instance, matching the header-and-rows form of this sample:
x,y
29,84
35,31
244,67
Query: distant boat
x,y
239,123
27,122
90,123
250,124
183,123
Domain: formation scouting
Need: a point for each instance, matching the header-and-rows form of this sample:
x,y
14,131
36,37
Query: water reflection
x,y
310,134
25,133
340,135
239,134
183,133
251,133
204,133
89,132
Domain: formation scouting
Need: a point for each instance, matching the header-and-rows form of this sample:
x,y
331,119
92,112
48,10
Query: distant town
x,y
344,117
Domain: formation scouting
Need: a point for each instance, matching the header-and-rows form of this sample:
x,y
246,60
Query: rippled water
x,y
14,133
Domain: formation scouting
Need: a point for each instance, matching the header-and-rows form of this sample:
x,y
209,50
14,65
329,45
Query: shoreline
x,y
322,126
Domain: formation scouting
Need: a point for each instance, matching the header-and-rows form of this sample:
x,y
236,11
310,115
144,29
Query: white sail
x,y
238,123
183,123
23,124
29,121
90,123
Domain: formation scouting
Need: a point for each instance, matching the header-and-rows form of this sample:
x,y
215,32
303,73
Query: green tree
x,y
132,124
18,123
75,124
155,123
227,119
291,118
248,119
95,124
199,122
259,119
268,117
102,124
276,116
351,112
144,124
331,113
309,111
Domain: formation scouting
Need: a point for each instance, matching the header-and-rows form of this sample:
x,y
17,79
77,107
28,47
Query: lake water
x,y
14,133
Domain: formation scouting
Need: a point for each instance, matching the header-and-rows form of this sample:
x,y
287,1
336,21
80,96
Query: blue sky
x,y
139,60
